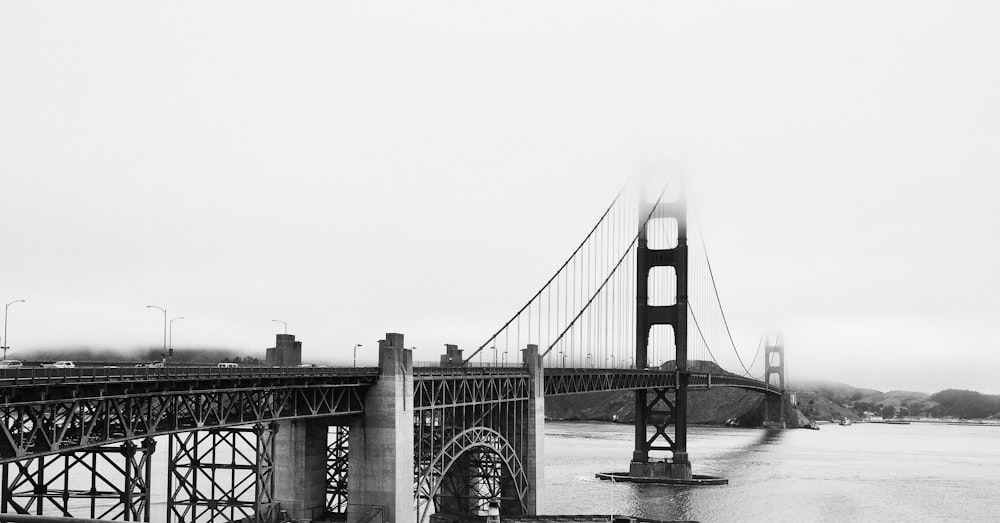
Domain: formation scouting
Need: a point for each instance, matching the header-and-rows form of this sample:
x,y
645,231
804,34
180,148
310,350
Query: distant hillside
x,y
710,407
834,401
181,356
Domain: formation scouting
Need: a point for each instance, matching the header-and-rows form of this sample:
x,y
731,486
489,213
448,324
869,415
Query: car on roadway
x,y
64,364
11,364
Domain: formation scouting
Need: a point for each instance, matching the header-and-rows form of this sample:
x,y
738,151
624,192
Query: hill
x,y
834,401
709,407
203,355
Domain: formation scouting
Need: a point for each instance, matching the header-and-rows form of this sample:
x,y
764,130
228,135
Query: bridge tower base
x,y
381,442
300,459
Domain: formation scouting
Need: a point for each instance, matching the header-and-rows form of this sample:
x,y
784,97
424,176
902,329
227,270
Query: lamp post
x,y
356,354
283,323
164,327
494,356
504,357
612,361
170,335
588,359
5,342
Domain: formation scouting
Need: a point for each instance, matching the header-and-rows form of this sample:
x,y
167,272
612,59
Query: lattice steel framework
x,y
573,381
221,474
103,482
337,459
42,427
470,431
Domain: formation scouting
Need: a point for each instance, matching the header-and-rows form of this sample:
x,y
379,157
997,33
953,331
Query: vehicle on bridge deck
x,y
11,364
227,365
150,365
62,364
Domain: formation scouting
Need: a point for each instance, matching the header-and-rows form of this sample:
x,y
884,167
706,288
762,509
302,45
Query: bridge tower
x,y
774,376
669,405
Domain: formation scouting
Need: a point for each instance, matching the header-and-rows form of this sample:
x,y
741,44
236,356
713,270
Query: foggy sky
x,y
362,168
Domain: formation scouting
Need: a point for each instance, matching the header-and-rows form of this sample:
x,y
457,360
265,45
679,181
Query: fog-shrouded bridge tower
x,y
657,409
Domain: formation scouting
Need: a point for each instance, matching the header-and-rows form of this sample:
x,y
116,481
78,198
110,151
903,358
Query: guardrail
x,y
24,376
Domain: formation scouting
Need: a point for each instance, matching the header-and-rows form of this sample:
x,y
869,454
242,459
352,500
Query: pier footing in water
x,y
695,480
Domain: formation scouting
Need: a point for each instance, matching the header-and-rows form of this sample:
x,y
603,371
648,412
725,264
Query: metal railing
x,y
27,376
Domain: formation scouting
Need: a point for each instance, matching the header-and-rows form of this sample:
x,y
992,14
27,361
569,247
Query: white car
x,y
64,364
11,364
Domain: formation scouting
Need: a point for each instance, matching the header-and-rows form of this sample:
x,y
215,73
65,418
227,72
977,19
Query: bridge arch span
x,y
464,445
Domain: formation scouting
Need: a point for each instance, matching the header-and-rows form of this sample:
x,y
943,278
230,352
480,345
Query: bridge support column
x,y
381,442
774,377
337,459
112,479
668,407
533,455
221,474
300,459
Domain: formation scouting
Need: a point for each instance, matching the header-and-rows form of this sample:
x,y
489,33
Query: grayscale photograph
x,y
499,262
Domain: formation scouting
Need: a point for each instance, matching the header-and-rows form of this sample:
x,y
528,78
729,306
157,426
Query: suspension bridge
x,y
634,307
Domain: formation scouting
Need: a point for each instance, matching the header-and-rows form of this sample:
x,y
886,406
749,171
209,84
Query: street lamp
x,y
164,327
170,336
5,342
283,323
356,354
588,359
505,357
494,356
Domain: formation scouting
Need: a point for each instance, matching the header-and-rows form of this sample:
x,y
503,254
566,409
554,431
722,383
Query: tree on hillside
x,y
966,403
888,411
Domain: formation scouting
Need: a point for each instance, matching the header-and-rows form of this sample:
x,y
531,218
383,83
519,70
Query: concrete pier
x,y
534,450
300,467
381,442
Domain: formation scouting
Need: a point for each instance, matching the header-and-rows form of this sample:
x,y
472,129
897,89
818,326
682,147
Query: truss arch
x,y
431,479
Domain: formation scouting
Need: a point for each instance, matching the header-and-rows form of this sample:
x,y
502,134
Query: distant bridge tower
x,y
774,377
669,405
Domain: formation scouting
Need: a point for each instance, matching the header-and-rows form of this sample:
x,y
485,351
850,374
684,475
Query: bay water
x,y
861,472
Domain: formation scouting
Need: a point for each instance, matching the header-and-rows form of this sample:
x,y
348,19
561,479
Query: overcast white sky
x,y
355,168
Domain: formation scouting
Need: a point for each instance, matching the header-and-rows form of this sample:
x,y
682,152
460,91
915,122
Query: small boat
x,y
845,422
812,425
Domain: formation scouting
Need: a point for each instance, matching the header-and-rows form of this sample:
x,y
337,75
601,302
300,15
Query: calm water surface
x,y
862,472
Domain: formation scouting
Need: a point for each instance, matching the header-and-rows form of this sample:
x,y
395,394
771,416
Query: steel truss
x,y
43,427
470,432
102,482
337,459
661,419
573,381
221,474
